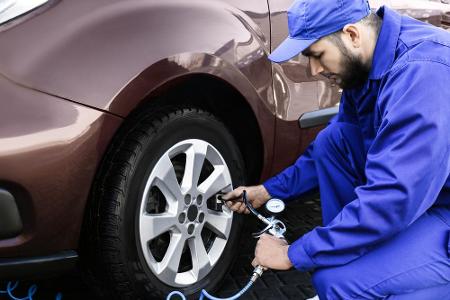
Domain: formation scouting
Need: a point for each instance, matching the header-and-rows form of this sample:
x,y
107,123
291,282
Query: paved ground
x,y
282,285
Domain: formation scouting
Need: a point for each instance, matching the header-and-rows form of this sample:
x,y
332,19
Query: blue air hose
x,y
10,287
241,292
208,296
257,272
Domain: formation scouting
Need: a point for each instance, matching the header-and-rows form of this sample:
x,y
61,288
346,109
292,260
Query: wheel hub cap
x,y
192,213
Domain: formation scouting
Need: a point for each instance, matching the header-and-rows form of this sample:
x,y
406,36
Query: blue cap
x,y
310,20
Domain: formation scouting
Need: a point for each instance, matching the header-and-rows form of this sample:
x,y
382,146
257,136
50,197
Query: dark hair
x,y
372,20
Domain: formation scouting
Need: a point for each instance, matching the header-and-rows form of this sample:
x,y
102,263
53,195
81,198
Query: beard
x,y
355,72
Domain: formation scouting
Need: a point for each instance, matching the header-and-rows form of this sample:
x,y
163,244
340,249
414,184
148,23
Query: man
x,y
382,165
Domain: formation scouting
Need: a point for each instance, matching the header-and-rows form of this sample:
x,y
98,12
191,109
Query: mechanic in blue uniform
x,y
382,165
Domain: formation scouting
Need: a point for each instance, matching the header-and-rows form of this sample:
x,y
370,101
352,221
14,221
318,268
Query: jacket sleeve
x,y
407,166
301,177
295,180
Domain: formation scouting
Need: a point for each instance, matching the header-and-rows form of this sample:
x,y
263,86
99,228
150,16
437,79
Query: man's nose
x,y
316,66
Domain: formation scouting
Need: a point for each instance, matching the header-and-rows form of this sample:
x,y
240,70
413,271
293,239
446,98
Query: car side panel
x,y
49,152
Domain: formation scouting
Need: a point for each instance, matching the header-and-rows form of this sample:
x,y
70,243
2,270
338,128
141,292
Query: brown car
x,y
121,122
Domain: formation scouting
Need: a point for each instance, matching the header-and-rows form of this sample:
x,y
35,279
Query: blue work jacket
x,y
403,111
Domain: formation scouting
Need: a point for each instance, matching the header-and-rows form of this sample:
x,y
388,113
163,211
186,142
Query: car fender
x,y
103,47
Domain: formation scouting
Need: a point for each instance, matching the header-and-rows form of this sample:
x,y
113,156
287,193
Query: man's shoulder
x,y
422,59
426,55
421,42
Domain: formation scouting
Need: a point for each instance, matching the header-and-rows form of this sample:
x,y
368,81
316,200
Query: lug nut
x,y
201,217
199,199
182,218
191,228
187,199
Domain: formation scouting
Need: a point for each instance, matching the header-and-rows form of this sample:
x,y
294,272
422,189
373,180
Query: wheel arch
x,y
224,101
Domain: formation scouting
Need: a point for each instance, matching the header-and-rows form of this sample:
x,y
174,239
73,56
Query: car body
x,y
74,73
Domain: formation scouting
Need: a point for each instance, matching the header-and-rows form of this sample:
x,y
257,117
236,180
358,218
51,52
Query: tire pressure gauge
x,y
275,206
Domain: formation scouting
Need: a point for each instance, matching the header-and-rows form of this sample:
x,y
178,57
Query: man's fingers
x,y
242,208
265,236
235,194
255,263
238,207
231,198
235,206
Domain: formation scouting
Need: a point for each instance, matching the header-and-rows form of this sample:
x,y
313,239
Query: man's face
x,y
334,60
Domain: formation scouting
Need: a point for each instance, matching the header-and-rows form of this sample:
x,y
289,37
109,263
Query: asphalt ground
x,y
299,217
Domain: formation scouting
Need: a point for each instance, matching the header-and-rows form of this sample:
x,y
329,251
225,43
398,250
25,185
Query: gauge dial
x,y
275,205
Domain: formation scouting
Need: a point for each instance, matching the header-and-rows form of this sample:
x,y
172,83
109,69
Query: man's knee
x,y
337,139
328,140
333,284
326,284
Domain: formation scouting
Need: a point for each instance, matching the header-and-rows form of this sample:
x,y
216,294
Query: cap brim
x,y
289,48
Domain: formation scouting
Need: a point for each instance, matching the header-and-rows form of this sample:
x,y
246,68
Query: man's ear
x,y
353,34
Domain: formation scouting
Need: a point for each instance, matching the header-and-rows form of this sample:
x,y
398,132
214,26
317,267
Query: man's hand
x,y
256,195
272,253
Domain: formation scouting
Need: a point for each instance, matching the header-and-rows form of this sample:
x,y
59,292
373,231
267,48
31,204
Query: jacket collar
x,y
385,49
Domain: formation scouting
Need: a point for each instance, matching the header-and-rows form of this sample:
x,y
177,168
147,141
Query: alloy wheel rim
x,y
186,213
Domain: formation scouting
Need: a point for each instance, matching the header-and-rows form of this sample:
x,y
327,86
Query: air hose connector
x,y
257,272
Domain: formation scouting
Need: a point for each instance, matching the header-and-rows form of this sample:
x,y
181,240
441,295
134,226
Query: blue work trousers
x,y
412,265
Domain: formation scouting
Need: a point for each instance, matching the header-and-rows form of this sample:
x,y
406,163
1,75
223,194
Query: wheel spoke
x,y
201,264
219,223
168,267
195,157
166,179
216,182
152,226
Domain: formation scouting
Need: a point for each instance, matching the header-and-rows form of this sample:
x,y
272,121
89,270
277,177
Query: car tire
x,y
140,223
